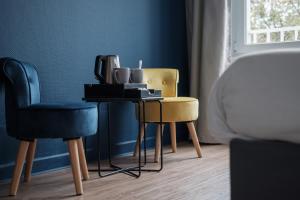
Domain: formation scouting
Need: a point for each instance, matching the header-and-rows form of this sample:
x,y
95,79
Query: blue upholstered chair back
x,y
22,89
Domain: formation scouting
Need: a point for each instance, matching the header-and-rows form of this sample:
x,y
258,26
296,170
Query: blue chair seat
x,y
60,120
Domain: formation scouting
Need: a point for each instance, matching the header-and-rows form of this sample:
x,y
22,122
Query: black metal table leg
x,y
145,134
114,169
98,140
139,138
161,135
108,136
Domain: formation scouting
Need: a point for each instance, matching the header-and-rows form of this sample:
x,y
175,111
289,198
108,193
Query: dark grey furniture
x,y
27,119
264,170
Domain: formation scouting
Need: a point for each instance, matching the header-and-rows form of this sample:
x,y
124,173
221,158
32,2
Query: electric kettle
x,y
104,66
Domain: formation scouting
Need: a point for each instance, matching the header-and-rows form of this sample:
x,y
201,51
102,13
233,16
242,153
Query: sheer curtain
x,y
208,28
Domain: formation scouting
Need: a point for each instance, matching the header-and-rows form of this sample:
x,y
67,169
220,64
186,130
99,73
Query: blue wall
x,y
62,37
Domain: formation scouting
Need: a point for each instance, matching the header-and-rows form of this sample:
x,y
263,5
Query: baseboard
x,y
40,165
60,161
122,148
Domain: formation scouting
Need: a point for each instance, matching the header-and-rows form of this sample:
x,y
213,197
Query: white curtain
x,y
208,28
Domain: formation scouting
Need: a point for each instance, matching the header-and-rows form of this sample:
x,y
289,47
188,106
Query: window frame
x,y
239,27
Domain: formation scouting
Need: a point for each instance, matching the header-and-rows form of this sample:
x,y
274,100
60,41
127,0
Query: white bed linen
x,y
258,97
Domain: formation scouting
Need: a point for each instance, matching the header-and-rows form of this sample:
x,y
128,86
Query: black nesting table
x,y
114,169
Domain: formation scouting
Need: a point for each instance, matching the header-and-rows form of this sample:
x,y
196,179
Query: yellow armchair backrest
x,y
162,79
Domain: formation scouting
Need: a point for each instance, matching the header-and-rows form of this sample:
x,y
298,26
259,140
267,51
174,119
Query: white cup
x,y
121,75
136,75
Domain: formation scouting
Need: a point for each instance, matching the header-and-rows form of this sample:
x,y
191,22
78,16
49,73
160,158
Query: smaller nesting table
x,y
114,169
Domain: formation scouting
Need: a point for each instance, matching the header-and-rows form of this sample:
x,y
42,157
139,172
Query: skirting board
x,y
59,161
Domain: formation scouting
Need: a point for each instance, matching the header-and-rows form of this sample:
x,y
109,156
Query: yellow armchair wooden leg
x,y
74,157
18,167
173,136
158,143
29,160
194,137
137,144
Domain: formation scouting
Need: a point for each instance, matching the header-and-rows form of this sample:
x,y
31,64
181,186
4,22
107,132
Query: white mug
x,y
121,75
136,75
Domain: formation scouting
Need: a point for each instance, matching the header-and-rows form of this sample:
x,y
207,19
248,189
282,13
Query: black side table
x,y
114,169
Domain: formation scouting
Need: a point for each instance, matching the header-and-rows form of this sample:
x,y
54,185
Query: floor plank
x,y
184,177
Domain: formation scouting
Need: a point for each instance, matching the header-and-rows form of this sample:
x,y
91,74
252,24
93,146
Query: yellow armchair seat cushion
x,y
174,109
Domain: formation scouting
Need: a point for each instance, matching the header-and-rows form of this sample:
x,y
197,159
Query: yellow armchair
x,y
175,109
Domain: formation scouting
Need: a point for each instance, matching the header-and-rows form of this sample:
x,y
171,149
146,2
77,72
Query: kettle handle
x,y
98,68
115,77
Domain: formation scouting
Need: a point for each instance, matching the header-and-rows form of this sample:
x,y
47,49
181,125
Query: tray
x,y
141,93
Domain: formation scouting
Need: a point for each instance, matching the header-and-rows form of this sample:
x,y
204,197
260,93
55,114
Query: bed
x,y
255,106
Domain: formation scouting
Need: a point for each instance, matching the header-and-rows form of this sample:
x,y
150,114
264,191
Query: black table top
x,y
110,99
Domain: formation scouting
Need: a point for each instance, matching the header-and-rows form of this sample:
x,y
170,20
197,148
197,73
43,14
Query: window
x,y
265,24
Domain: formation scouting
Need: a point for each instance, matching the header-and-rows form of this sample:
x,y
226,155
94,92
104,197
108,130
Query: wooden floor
x,y
184,177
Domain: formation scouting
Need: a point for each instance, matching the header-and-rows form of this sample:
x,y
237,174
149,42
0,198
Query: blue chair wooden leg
x,y
82,160
18,167
29,160
74,157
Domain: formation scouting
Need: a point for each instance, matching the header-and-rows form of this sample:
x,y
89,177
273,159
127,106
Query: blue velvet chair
x,y
27,119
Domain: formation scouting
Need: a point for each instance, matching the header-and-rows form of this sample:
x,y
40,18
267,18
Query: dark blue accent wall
x,y
62,38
